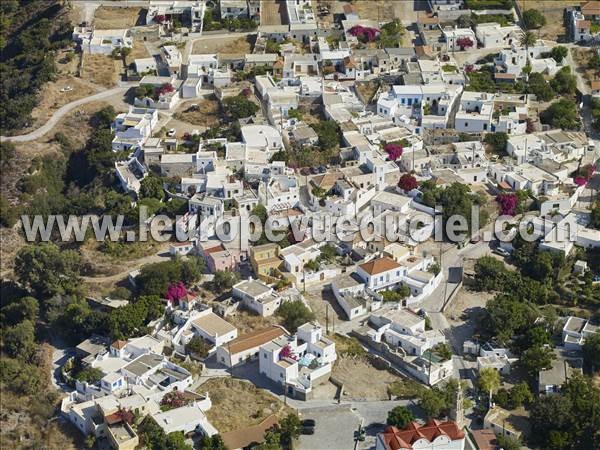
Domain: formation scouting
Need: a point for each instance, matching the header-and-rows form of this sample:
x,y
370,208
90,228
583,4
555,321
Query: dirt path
x,y
64,110
131,265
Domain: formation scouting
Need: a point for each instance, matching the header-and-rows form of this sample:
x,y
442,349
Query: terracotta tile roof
x,y
596,84
583,23
243,437
505,76
326,180
485,439
119,344
349,9
591,8
395,439
215,249
349,62
254,339
429,19
379,265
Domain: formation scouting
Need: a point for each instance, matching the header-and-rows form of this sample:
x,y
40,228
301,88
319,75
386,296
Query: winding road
x,y
64,110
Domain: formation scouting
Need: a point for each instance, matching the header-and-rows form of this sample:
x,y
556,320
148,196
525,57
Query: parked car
x,y
502,252
305,171
322,169
307,430
596,279
171,132
314,170
309,423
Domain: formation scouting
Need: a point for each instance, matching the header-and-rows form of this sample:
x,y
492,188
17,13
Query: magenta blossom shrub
x,y
160,18
508,204
407,182
364,33
464,42
287,352
584,174
164,89
176,292
394,151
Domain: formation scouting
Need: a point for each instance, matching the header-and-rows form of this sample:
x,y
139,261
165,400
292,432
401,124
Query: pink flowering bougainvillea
x,y
160,18
394,151
176,292
464,42
286,352
174,399
584,174
164,89
407,182
365,33
508,203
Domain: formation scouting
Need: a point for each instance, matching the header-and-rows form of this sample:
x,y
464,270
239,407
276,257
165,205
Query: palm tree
x,y
528,40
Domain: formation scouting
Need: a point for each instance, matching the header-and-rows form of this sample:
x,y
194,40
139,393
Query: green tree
x,y
488,381
559,53
535,359
294,313
528,39
520,395
155,278
508,442
214,442
329,134
564,82
224,280
431,402
105,117
198,346
25,308
443,350
89,374
129,320
533,19
176,441
497,141
290,427
562,114
18,341
591,351
152,187
239,107
48,270
9,214
538,86
399,417
595,218
397,295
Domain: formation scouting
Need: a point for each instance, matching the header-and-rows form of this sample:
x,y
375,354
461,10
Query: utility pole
x,y
327,318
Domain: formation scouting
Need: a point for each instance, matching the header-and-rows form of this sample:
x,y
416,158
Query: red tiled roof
x,y
254,339
485,439
591,8
349,9
395,439
596,84
118,344
379,265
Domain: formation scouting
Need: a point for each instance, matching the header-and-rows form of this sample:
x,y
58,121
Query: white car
x,y
171,132
502,252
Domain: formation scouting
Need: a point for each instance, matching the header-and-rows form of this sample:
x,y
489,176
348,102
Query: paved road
x,y
64,110
60,355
